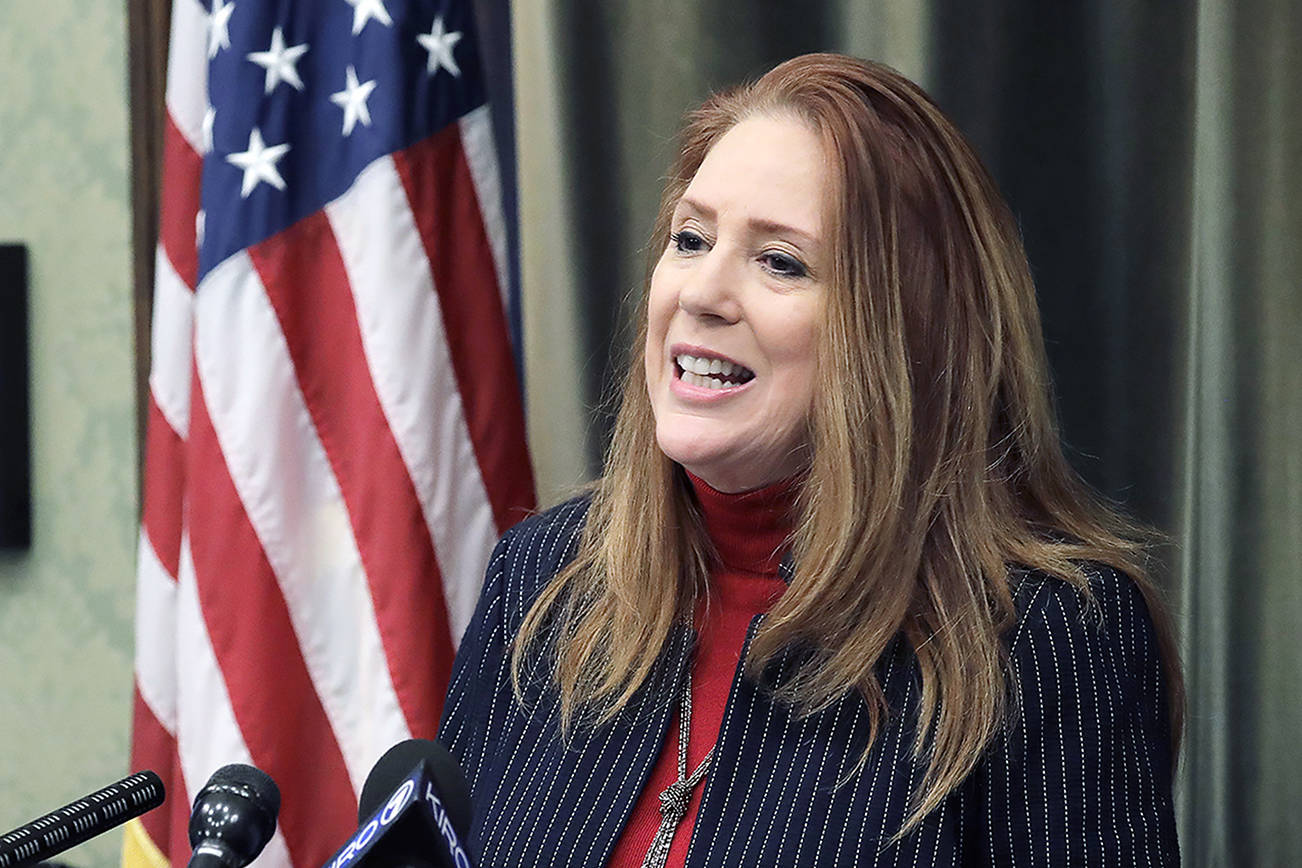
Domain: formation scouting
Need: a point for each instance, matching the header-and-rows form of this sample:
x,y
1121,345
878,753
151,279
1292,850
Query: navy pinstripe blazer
x,y
1081,778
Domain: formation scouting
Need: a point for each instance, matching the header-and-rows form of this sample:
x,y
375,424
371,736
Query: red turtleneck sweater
x,y
749,532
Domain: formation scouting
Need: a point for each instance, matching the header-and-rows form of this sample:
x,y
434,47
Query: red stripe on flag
x,y
275,704
153,748
164,489
177,845
179,202
442,194
306,281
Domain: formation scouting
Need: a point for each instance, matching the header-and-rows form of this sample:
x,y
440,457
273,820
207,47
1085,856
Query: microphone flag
x,y
411,816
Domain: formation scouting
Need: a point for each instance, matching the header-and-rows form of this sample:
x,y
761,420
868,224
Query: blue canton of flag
x,y
303,96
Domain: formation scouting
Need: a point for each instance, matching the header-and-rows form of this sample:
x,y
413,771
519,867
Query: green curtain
x,y
1153,155
1240,496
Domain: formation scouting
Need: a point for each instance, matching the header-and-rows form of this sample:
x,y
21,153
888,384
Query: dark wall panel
x,y
15,422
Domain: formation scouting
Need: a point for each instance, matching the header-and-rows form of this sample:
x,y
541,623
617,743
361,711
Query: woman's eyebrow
x,y
697,208
759,225
773,227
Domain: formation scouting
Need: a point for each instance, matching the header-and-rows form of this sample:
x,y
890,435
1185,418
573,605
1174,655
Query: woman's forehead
x,y
771,171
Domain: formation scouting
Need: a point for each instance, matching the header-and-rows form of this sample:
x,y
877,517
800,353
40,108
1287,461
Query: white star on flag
x,y
219,27
259,164
365,10
279,60
209,118
352,99
439,44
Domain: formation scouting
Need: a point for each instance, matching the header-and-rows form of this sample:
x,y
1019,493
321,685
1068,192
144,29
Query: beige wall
x,y
66,606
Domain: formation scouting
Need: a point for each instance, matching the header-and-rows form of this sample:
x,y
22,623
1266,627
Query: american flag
x,y
336,436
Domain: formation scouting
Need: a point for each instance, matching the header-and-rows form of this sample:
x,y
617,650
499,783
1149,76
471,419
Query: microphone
x,y
82,820
414,812
234,817
443,769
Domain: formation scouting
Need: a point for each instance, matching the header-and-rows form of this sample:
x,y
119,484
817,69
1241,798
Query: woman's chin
x,y
722,472
705,461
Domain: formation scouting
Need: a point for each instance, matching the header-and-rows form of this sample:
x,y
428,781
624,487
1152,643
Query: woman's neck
x,y
750,531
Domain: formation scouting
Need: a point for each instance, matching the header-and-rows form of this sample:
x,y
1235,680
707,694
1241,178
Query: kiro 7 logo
x,y
392,810
397,802
459,857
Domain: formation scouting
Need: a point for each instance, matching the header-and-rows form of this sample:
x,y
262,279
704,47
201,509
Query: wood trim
x,y
148,23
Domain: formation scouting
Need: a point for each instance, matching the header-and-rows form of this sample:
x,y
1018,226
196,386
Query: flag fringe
x,y
139,850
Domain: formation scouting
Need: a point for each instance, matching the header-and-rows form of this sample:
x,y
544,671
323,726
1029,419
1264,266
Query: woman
x,y
837,598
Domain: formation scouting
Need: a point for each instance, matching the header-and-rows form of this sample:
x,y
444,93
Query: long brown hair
x,y
935,462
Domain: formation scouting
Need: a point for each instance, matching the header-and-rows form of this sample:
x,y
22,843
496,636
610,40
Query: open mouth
x,y
706,372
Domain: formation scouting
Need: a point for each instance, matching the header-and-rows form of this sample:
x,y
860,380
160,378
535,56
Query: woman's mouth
x,y
709,372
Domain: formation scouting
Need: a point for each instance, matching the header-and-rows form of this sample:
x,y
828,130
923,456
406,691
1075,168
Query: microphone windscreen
x,y
234,816
398,761
253,781
81,820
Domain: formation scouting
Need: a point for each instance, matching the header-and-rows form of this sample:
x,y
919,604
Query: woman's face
x,y
736,303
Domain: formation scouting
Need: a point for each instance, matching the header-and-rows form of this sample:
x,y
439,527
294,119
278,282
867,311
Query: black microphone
x,y
81,820
234,817
390,769
414,812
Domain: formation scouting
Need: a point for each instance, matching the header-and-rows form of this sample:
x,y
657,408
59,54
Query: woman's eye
x,y
783,265
687,241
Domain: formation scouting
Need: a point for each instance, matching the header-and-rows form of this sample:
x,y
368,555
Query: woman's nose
x,y
710,287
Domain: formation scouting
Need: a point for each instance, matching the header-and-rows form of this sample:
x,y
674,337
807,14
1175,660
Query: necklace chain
x,y
675,798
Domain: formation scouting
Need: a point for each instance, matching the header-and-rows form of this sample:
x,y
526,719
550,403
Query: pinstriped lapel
x,y
716,780
757,813
574,799
633,748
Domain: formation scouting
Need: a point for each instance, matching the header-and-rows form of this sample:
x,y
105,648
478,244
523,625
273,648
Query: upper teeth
x,y
704,366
